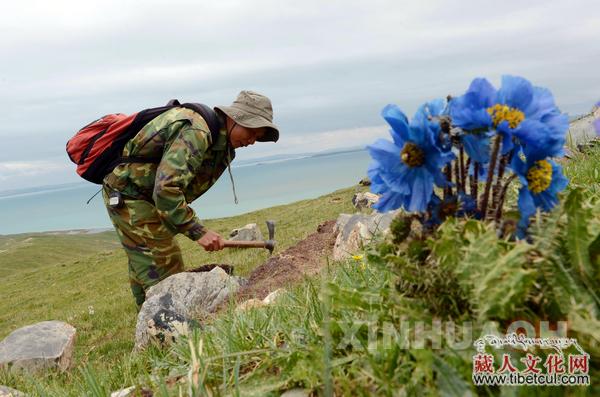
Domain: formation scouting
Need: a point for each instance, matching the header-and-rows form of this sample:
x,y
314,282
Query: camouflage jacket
x,y
190,164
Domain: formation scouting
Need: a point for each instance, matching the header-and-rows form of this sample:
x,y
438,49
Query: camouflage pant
x,y
150,245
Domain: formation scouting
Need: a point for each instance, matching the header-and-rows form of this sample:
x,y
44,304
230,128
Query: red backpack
x,y
97,148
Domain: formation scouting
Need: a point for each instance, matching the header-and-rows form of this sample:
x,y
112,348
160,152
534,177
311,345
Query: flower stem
x,y
490,176
457,177
448,173
461,159
498,185
475,180
502,196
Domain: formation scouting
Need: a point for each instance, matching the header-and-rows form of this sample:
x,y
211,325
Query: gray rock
x,y
365,182
48,344
355,231
364,200
341,221
250,232
127,392
296,392
8,392
581,130
176,303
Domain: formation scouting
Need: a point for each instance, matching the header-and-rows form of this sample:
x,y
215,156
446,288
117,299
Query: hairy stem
x,y
475,180
498,185
463,173
448,173
502,197
490,176
457,177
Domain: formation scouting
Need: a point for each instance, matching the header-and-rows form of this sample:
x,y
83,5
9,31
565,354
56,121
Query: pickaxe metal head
x,y
270,243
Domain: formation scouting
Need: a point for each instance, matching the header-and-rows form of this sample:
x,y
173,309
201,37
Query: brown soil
x,y
207,268
304,259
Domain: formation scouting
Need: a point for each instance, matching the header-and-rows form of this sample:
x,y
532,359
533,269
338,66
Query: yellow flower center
x,y
500,113
412,155
539,176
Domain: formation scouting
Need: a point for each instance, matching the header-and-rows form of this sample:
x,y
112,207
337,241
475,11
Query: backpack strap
x,y
209,115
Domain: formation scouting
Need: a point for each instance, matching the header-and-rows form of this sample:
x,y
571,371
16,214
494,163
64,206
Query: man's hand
x,y
212,241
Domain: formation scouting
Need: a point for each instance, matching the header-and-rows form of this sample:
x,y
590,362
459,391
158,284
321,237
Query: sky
x,y
329,67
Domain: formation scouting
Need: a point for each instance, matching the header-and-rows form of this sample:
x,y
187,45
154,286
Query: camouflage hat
x,y
253,110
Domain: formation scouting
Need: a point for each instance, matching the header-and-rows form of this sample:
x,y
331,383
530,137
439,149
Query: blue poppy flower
x,y
455,206
467,206
477,146
406,169
470,111
532,117
541,180
517,110
433,111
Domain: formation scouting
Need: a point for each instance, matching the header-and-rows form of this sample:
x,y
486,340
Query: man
x,y
156,197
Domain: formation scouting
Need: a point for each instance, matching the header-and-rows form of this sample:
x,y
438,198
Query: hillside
x,y
29,251
302,340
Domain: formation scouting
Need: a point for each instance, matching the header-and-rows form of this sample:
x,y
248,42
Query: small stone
x,y
364,200
273,296
123,392
8,392
48,344
249,304
295,392
365,182
355,231
250,232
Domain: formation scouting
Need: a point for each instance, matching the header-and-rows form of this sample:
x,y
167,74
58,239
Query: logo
x,y
518,360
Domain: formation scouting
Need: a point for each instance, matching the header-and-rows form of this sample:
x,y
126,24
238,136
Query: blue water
x,y
258,186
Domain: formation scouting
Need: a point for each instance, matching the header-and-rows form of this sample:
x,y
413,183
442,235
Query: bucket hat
x,y
253,110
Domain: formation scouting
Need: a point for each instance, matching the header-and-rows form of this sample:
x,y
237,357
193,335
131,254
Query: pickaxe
x,y
268,244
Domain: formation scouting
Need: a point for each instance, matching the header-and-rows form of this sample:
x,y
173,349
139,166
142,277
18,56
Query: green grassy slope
x,y
299,341
30,251
71,281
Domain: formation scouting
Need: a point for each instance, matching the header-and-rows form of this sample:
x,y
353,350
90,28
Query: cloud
x,y
27,169
65,63
316,142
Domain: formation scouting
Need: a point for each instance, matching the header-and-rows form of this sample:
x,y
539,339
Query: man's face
x,y
242,136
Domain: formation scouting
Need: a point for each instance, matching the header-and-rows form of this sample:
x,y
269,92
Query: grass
x,y
315,337
91,291
31,251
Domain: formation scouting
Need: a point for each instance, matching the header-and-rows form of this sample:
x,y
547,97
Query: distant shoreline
x,y
95,230
33,190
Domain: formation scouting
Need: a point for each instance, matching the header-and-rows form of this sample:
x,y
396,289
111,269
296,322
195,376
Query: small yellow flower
x,y
357,257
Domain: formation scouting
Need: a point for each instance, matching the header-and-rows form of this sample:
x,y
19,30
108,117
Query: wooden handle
x,y
245,244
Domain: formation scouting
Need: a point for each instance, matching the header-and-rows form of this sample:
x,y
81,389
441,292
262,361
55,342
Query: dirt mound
x,y
303,259
207,268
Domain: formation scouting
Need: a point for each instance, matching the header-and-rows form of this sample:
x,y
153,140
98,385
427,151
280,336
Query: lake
x,y
258,186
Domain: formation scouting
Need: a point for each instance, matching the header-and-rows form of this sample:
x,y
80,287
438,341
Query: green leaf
x,y
578,237
449,381
558,281
497,275
594,251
